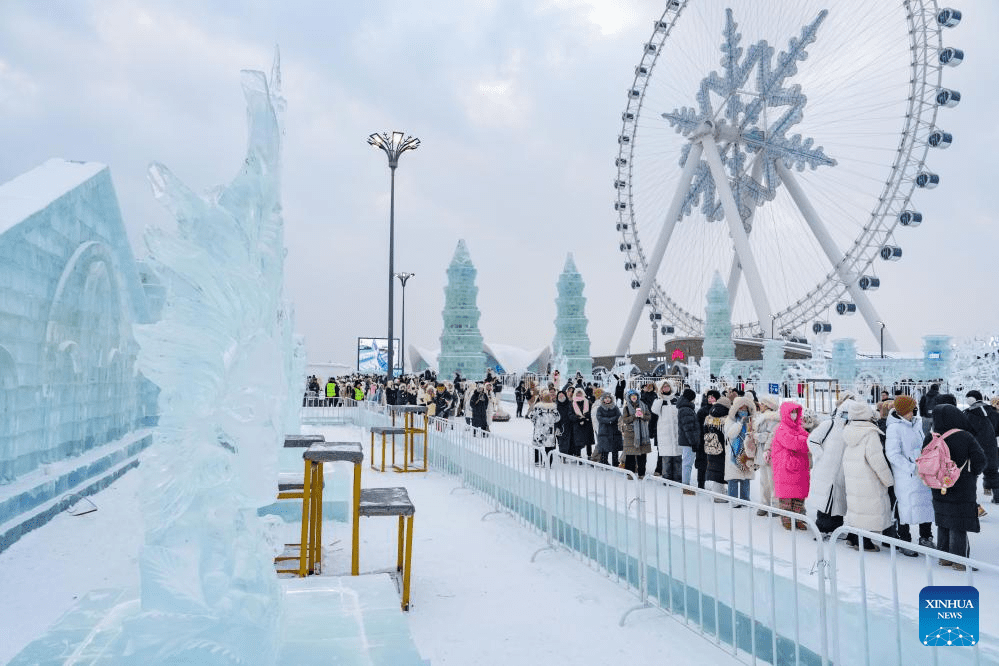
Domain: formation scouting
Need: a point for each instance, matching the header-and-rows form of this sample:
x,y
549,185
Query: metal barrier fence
x,y
734,577
862,615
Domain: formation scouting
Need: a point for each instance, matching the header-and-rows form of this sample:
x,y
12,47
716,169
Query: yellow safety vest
x,y
330,390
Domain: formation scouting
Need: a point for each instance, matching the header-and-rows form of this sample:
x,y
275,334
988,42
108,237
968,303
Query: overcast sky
x,y
518,106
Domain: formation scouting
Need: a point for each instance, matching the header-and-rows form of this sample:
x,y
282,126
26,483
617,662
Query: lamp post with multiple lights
x,y
394,146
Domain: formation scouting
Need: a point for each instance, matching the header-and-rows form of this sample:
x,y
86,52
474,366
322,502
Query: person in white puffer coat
x,y
668,433
903,445
764,423
867,475
826,446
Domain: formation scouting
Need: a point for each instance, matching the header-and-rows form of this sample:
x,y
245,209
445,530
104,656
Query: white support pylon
x,y
656,258
835,256
738,232
736,272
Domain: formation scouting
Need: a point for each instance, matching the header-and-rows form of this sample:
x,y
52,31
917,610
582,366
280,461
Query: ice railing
x,y
737,579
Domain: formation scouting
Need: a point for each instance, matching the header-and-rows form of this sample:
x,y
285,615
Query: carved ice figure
x,y
221,355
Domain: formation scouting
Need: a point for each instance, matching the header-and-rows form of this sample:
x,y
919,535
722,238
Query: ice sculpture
x,y
221,355
718,344
461,342
572,344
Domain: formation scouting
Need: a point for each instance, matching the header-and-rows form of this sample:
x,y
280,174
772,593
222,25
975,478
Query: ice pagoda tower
x,y
571,344
718,345
461,342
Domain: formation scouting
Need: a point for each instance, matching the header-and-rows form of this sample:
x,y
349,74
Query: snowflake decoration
x,y
949,636
750,119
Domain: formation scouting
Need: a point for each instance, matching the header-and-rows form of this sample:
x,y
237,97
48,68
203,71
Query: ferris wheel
x,y
780,145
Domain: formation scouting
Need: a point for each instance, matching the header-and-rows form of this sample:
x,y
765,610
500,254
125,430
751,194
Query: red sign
x,y
677,355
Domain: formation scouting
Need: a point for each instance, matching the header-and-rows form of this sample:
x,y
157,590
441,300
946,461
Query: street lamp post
x,y
394,145
882,337
403,278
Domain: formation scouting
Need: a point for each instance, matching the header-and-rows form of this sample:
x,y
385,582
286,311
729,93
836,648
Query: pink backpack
x,y
935,466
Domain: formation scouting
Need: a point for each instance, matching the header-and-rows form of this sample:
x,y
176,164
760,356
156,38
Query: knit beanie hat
x,y
904,405
688,394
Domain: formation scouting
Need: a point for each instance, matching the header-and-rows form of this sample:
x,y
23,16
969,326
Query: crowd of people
x,y
860,467
477,402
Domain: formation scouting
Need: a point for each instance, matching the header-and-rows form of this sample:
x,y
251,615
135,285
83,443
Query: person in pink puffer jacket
x,y
789,459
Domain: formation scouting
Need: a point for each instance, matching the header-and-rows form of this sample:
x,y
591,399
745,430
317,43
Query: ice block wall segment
x,y
461,342
69,294
572,343
843,364
221,355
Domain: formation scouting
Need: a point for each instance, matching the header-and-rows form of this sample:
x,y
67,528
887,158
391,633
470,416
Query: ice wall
x,y
461,342
221,354
69,294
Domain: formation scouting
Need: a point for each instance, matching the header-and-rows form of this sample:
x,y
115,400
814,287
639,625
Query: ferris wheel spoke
x,y
735,273
753,279
655,259
833,254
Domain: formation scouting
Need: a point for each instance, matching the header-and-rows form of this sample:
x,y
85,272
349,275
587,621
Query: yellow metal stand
x,y
407,567
410,421
355,524
391,502
310,549
384,431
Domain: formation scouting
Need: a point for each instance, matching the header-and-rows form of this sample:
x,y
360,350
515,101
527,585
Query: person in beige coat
x,y
740,448
867,475
765,422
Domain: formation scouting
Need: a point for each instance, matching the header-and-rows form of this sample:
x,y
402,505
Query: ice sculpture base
x,y
326,620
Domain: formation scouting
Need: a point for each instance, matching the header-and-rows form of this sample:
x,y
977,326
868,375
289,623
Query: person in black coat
x,y
563,427
926,404
609,438
648,396
984,420
582,424
520,393
442,403
689,433
714,424
479,403
619,389
956,512
700,459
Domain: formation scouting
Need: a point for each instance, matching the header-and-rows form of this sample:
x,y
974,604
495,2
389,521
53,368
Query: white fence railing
x,y
736,578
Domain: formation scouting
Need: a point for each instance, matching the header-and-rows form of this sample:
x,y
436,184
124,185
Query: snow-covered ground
x,y
476,599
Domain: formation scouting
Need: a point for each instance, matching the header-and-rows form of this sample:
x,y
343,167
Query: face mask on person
x,y
743,413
